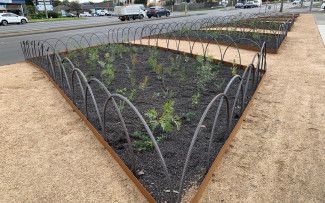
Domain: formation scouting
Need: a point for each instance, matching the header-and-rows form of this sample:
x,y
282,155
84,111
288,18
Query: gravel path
x,y
47,153
278,154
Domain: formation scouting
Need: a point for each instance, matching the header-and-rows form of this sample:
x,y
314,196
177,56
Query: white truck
x,y
135,11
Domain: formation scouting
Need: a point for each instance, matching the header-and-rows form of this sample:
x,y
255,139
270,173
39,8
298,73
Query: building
x,y
40,5
13,6
94,7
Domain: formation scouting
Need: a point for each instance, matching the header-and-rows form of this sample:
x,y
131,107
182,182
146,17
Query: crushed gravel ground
x,y
47,153
279,153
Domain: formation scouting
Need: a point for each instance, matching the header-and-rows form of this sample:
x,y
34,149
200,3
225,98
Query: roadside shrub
x,y
53,14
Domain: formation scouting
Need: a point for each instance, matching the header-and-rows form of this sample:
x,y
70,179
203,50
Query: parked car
x,y
70,15
6,18
85,14
157,11
102,12
239,5
323,6
257,3
296,2
250,4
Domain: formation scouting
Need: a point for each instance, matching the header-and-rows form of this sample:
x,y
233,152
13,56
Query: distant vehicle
x,y
257,3
70,15
239,5
250,4
135,11
7,18
102,12
85,14
223,3
157,11
296,2
323,6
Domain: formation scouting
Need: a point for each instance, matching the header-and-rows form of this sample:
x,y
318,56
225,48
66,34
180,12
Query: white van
x,y
135,11
258,3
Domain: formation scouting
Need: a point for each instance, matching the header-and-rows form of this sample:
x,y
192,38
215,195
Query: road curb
x,y
15,34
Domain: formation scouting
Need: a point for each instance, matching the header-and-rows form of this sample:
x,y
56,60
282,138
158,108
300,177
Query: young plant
x,y
130,94
144,83
189,116
156,67
204,72
134,60
152,115
152,60
196,98
108,72
92,59
234,68
168,119
143,141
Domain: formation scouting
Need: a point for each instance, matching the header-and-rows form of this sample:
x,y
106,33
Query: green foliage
x,y
130,94
234,68
256,35
168,119
118,49
92,58
134,60
170,2
189,116
144,83
196,98
143,141
108,72
204,72
152,60
152,115
75,6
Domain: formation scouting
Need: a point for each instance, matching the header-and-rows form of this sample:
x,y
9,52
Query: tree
x,y
75,6
140,2
66,2
56,3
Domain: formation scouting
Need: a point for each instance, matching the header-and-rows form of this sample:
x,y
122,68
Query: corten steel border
x,y
136,182
226,145
97,135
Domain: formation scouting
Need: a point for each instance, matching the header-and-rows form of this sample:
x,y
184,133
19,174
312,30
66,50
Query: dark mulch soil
x,y
242,39
268,24
180,83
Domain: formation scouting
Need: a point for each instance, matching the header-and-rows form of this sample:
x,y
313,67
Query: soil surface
x,y
219,52
278,154
47,153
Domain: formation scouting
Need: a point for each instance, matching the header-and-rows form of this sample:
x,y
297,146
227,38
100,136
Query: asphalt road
x,y
14,28
10,51
320,20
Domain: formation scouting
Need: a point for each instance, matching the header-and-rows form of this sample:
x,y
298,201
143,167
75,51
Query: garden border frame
x,y
202,187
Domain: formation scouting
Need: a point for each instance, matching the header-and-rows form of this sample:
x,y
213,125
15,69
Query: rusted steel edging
x,y
110,150
225,146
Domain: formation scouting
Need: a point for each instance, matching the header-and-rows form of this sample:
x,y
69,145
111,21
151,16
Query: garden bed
x,y
249,40
171,90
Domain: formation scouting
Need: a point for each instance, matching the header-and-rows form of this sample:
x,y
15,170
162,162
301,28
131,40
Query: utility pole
x,y
281,6
45,10
311,5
